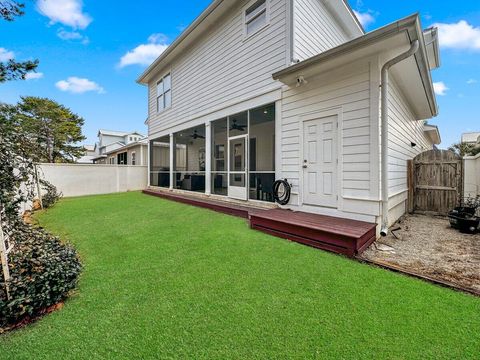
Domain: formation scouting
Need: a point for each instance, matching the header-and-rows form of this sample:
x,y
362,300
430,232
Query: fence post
x,y
4,258
37,182
411,190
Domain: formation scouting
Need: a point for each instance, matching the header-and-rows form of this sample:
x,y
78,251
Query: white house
x,y
88,155
254,91
122,148
471,138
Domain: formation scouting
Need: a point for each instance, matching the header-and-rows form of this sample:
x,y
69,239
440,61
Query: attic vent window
x,y
256,17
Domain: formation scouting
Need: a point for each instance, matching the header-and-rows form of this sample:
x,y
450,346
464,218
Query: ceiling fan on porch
x,y
196,135
236,126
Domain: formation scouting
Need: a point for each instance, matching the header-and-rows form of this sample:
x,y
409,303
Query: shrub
x,y
43,271
51,195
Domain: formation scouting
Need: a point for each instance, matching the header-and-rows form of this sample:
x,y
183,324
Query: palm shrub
x,y
43,269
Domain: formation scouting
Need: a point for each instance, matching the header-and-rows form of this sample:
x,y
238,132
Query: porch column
x,y
148,161
172,159
208,158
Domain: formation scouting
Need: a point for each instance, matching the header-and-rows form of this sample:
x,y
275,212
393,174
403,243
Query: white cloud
x,y
460,35
79,85
33,76
440,88
365,18
66,12
5,54
72,36
471,81
145,54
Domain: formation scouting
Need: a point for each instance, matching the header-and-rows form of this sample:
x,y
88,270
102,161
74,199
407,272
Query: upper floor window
x,y
256,17
164,93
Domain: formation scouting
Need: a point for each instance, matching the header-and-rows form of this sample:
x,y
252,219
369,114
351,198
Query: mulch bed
x,y
30,319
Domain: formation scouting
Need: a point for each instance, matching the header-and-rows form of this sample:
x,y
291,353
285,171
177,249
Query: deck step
x,y
344,236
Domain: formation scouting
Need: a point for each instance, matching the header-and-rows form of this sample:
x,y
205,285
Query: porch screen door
x,y
237,167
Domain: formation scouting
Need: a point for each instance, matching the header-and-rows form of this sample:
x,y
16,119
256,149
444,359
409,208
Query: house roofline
x,y
410,24
143,142
355,18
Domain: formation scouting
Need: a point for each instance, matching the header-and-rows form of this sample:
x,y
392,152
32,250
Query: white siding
x,y
315,29
223,67
402,131
347,89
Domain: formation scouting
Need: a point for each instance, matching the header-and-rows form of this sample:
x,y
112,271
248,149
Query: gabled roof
x,y
471,137
142,142
417,85
117,133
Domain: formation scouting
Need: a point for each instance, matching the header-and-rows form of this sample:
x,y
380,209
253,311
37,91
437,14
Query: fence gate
x,y
435,181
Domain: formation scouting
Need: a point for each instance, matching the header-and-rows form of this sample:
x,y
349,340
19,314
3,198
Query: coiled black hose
x,y
281,191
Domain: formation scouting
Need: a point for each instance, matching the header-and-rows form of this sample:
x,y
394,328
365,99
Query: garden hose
x,y
281,191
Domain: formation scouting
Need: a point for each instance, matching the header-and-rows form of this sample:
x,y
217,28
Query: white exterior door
x,y
237,167
320,162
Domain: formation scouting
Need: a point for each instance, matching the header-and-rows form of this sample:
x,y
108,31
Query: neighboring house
x,y
121,148
88,155
254,91
471,138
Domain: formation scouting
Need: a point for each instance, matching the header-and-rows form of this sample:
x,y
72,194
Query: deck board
x,y
343,236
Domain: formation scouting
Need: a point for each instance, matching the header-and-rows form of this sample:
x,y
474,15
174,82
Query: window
x,y
122,159
164,93
111,160
134,158
256,17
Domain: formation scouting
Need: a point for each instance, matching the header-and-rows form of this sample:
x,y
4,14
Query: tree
x,y
11,69
54,129
11,8
462,149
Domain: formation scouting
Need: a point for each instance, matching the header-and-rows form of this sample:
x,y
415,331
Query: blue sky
x,y
91,52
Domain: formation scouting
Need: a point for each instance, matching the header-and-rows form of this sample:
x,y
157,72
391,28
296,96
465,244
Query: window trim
x,y
161,80
245,22
133,158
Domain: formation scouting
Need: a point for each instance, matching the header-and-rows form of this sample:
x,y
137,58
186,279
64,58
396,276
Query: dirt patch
x,y
429,246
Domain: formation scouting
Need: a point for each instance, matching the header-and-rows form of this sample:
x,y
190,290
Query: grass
x,y
166,280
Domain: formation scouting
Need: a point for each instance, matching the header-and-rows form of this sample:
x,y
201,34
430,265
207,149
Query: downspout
x,y
384,120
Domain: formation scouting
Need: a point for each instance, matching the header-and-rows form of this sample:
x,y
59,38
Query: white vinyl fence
x,y
471,176
90,179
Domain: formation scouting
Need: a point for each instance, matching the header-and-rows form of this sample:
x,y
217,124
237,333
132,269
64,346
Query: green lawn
x,y
166,280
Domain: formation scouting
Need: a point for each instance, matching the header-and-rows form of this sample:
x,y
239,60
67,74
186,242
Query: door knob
x,y
304,166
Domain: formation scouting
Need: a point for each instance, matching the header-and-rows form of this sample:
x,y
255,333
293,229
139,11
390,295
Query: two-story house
x,y
121,148
259,90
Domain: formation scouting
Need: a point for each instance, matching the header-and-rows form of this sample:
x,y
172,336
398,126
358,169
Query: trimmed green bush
x,y
51,195
43,271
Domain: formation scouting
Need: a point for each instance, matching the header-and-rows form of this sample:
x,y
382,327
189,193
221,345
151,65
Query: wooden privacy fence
x,y
435,180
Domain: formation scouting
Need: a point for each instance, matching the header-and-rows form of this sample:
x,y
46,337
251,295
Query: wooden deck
x,y
220,206
343,236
